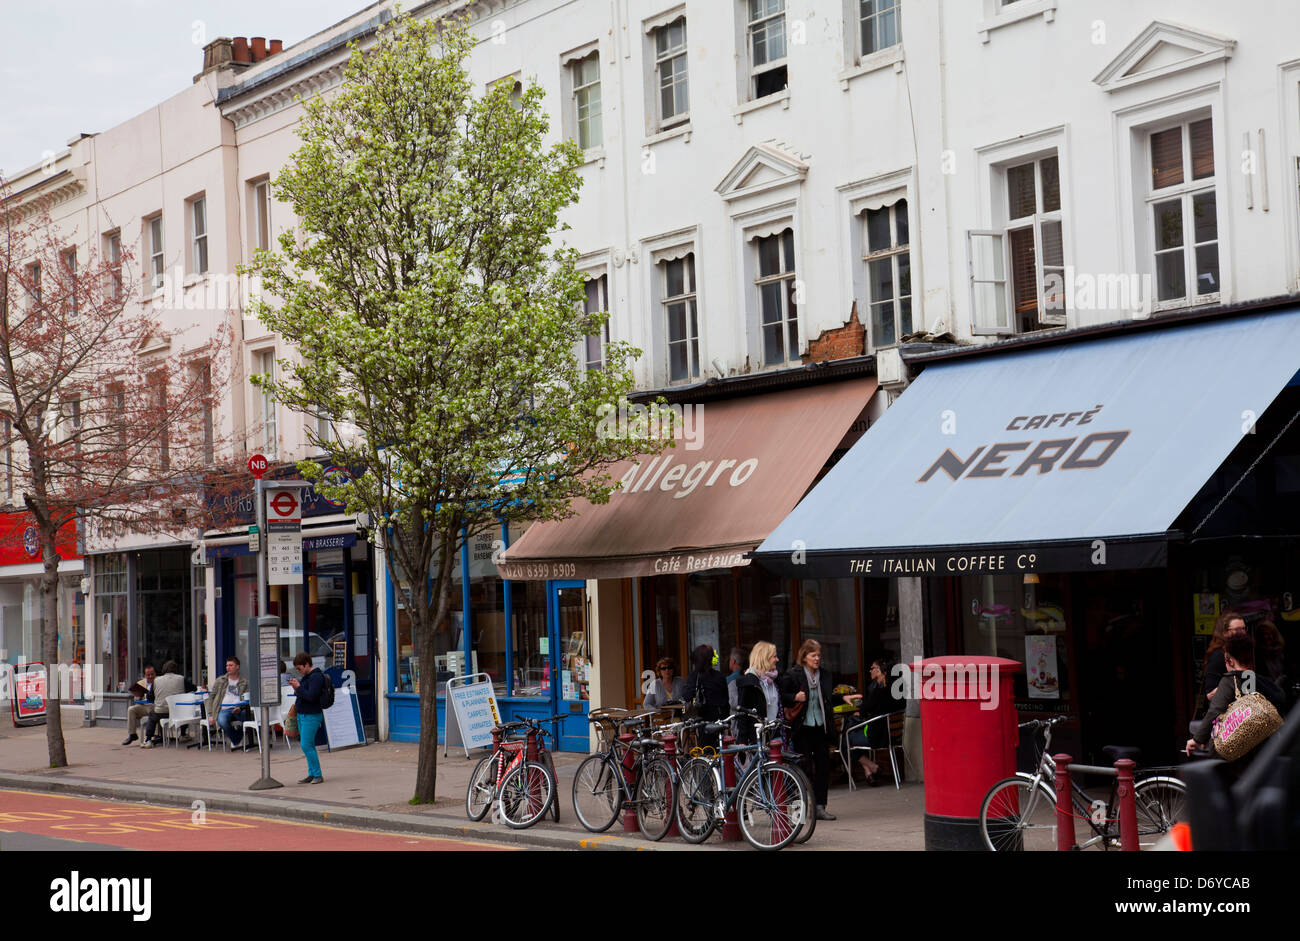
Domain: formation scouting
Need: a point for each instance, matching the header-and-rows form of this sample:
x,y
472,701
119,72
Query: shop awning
x,y
706,502
1072,457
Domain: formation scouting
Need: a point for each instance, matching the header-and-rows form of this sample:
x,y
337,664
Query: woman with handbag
x,y
1245,709
806,695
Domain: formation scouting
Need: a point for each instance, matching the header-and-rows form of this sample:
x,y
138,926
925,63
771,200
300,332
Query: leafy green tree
x,y
437,317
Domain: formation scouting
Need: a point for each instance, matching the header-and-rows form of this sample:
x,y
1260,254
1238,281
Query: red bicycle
x,y
517,779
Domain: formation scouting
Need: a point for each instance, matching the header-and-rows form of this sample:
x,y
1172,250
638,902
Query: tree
x,y
102,428
436,318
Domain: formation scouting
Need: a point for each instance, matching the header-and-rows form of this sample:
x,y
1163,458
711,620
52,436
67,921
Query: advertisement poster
x,y
704,629
29,692
1040,667
1205,611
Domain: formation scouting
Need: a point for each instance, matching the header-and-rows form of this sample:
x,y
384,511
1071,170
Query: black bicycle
x,y
633,773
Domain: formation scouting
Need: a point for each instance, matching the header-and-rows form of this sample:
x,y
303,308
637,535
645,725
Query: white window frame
x,y
599,276
1035,221
68,261
780,277
153,238
35,291
691,298
893,253
755,70
574,63
857,19
260,217
113,256
654,27
158,394
265,363
1185,193
196,213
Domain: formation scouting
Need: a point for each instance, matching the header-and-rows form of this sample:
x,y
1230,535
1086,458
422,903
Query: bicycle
x,y
772,799
1019,813
634,773
523,789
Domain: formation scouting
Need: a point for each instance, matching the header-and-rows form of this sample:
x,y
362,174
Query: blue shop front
x,y
529,638
329,615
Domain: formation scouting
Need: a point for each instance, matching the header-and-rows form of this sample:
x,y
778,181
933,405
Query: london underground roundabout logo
x,y
335,476
31,541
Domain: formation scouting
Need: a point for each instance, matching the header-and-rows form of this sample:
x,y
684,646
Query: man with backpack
x,y
313,694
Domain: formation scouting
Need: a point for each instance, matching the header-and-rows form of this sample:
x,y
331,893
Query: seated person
x,y
225,702
171,683
1239,658
879,701
141,690
666,687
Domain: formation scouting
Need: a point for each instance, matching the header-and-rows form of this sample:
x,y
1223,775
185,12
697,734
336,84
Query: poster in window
x,y
1040,666
1205,611
704,629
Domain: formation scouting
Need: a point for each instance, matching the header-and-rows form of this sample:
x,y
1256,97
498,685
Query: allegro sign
x,y
685,477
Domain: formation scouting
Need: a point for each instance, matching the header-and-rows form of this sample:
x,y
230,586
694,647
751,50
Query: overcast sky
x,y
74,66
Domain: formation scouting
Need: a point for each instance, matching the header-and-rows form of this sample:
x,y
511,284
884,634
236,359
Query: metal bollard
x,y
1064,812
670,752
1128,824
731,825
629,775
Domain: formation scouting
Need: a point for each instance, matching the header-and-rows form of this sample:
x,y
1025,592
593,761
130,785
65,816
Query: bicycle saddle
x,y
1118,752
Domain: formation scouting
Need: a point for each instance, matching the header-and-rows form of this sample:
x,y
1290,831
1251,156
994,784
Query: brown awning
x,y
706,502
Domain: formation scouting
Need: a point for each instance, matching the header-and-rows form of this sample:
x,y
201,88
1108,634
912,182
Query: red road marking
x,y
151,827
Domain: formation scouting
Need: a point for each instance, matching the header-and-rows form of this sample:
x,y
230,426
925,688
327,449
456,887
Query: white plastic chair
x,y
179,716
894,726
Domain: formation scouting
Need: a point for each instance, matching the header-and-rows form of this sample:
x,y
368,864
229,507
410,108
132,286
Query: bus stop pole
x,y
265,782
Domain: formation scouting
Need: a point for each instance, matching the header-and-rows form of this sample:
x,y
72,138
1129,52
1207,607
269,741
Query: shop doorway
x,y
570,668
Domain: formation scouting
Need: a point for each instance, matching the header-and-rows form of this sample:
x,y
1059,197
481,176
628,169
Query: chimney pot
x,y
277,46
239,48
259,48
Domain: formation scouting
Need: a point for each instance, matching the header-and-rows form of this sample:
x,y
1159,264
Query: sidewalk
x,y
370,787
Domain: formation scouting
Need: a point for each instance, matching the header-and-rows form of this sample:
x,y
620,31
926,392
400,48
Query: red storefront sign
x,y
20,542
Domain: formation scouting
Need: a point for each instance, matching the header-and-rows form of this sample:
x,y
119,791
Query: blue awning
x,y
1072,457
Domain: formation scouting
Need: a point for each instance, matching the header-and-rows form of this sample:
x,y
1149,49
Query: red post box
x,y
969,736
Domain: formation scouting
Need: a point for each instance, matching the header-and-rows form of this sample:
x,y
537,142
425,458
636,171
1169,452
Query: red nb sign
x,y
257,465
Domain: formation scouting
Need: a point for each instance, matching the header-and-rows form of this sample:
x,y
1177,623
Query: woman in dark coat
x,y
879,701
808,688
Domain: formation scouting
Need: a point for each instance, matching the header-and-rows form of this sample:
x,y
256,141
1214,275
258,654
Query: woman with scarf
x,y
757,689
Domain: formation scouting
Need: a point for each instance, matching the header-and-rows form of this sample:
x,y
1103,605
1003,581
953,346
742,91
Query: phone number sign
x,y
283,536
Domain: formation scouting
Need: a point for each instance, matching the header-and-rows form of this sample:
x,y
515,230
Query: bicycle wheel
x,y
654,799
525,794
697,792
482,788
550,766
1018,815
1160,804
806,811
597,793
768,800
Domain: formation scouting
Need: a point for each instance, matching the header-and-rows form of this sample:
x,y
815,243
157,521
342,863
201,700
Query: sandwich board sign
x,y
28,701
473,712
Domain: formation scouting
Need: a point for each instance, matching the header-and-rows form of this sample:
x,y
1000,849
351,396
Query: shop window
x,y
710,614
763,605
111,620
1022,618
828,615
530,645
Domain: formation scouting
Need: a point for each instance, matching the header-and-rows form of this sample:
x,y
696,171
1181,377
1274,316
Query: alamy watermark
x,y
684,422
977,681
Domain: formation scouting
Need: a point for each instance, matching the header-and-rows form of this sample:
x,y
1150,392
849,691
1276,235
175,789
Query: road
x,y
36,821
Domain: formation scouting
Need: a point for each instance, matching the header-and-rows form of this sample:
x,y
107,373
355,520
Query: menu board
x,y
343,720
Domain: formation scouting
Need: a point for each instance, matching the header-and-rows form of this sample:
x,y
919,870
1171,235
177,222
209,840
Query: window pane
x,y
594,357
904,275
1205,222
900,222
677,364
688,265
674,274
1202,140
770,82
592,303
1050,236
1167,158
1170,276
769,256
904,316
770,301
772,350
878,229
1021,201
676,322
1207,269
882,279
787,242
1050,172
792,335
1169,224
1024,276
882,324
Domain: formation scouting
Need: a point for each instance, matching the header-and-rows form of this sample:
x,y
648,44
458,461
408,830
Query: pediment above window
x,y
1163,49
766,166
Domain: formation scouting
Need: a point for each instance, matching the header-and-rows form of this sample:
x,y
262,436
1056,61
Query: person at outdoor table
x,y
140,710
1239,657
171,683
308,688
667,685
808,688
705,686
736,666
879,701
226,702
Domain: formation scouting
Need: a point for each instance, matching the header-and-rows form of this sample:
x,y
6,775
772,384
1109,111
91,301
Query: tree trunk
x,y
50,649
426,773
